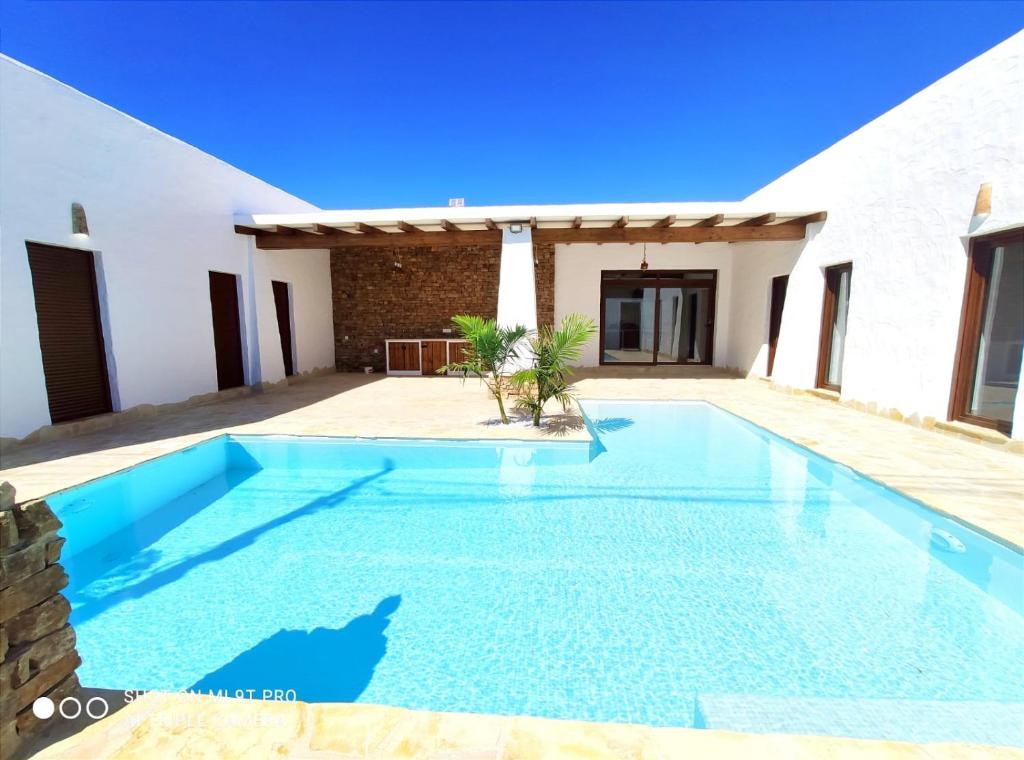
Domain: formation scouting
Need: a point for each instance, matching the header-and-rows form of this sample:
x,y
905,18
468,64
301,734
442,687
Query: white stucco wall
x,y
578,268
900,194
160,217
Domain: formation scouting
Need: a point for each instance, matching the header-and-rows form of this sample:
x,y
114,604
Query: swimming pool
x,y
687,569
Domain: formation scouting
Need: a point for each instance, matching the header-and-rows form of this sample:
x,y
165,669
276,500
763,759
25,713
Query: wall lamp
x,y
79,225
515,228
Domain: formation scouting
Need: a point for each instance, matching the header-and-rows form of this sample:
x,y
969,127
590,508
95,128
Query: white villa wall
x,y
578,269
160,217
900,194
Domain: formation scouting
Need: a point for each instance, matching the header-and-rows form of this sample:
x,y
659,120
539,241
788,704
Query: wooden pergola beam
x,y
622,221
449,227
757,221
577,222
326,229
369,229
820,216
408,228
489,223
711,221
732,233
668,221
533,222
241,229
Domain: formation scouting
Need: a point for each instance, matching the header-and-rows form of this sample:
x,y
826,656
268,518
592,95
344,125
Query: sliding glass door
x,y
657,317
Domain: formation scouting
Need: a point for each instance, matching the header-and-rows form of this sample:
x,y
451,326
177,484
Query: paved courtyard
x,y
978,484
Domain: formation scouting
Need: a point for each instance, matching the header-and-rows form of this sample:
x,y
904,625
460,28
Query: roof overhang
x,y
574,223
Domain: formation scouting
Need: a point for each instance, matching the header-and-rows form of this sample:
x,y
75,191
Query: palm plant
x,y
489,352
554,351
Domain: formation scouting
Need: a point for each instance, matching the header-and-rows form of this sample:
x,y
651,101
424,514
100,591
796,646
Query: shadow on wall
x,y
322,665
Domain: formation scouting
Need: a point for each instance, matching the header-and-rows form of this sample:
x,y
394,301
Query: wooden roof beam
x,y
577,222
241,229
449,227
757,221
408,228
369,229
622,221
711,221
326,229
489,223
819,216
667,221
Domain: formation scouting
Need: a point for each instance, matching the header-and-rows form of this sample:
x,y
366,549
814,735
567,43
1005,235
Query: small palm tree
x,y
489,353
554,351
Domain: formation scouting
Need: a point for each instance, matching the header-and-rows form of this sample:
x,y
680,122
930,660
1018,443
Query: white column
x,y
517,291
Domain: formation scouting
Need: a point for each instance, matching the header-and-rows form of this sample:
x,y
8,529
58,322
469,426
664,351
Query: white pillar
x,y
517,290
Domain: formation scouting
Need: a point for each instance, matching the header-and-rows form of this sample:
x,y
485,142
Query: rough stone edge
x,y
38,656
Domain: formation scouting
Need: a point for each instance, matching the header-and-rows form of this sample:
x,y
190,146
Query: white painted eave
x,y
547,216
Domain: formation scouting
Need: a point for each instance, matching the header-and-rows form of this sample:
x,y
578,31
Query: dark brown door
x,y
834,316
70,336
435,354
404,356
284,323
779,285
227,330
991,345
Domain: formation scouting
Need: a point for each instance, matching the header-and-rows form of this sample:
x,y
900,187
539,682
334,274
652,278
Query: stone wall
x,y
374,299
37,644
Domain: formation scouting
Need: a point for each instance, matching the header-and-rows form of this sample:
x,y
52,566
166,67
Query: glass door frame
x,y
833,276
659,279
979,268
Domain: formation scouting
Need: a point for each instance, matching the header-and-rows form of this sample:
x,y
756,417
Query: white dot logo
x,y
43,708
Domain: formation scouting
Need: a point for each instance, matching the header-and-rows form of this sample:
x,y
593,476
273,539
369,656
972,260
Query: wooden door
x,y
404,356
435,355
282,304
227,329
779,286
70,334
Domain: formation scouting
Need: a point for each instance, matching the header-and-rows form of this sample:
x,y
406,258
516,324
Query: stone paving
x,y
178,725
976,484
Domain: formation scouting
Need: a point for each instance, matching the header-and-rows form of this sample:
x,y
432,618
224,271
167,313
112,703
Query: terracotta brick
x,y
22,563
36,622
373,300
31,591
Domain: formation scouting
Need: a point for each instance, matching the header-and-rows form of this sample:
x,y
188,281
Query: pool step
x,y
908,720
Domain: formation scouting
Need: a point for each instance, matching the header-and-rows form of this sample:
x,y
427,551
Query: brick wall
x,y
374,300
37,644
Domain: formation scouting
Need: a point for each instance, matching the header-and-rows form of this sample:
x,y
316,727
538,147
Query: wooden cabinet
x,y
404,357
422,356
434,355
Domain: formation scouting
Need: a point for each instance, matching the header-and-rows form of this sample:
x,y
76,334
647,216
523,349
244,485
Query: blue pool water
x,y
688,569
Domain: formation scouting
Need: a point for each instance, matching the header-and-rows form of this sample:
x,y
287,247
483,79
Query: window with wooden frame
x,y
988,361
834,316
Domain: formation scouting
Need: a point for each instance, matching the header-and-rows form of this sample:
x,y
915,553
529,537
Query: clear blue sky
x,y
365,105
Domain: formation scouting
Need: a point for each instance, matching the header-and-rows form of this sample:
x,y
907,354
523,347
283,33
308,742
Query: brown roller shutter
x,y
284,323
227,330
70,336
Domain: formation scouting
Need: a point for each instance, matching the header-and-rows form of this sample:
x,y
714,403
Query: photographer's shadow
x,y
322,665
